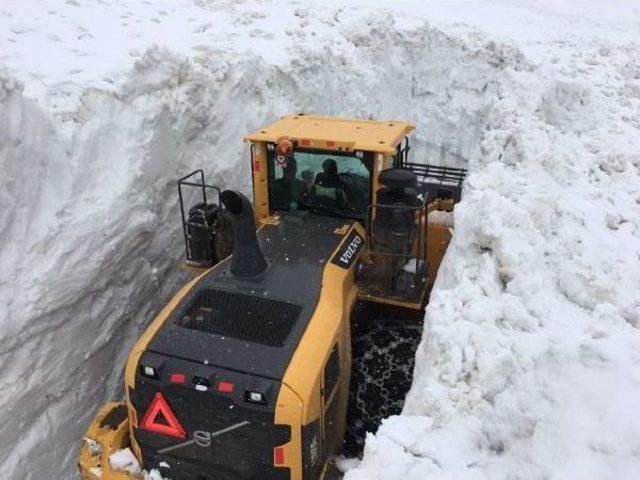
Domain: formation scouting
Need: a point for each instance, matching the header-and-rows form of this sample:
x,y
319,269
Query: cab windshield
x,y
326,183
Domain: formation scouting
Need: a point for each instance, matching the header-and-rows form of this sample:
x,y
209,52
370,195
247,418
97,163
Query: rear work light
x,y
255,397
148,371
278,457
201,384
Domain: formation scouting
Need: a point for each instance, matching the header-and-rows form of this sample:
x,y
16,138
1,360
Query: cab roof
x,y
334,133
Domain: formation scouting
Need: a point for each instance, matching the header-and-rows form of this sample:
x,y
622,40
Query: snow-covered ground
x,y
530,366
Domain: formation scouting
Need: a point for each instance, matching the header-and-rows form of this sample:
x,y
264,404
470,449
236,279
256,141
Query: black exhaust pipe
x,y
247,259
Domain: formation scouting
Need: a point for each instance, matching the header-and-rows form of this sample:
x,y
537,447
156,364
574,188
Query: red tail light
x,y
225,387
278,457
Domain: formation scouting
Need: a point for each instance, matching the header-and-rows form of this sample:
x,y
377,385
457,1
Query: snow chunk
x,y
94,447
153,475
124,460
440,217
345,464
97,471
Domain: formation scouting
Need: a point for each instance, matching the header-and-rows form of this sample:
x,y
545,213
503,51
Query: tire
x,y
383,361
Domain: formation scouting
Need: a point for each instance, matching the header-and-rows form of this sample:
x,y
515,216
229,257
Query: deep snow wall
x,y
529,368
89,228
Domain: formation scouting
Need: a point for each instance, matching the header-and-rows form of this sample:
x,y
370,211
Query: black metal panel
x,y
331,372
240,316
297,250
242,454
332,435
115,417
311,451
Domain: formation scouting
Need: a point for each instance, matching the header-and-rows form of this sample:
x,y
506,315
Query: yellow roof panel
x,y
347,134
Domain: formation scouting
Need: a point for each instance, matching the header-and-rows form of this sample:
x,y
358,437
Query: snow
x,y
94,447
528,368
124,461
97,471
439,217
153,475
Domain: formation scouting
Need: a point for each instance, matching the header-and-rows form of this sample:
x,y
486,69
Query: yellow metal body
x,y
331,133
99,443
329,326
300,400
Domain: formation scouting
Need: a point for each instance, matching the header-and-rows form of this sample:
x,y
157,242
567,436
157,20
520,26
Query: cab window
x,y
326,183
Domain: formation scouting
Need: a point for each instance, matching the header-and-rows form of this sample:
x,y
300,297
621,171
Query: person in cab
x,y
328,188
289,191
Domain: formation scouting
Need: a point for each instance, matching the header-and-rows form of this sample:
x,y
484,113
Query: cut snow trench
x,y
103,232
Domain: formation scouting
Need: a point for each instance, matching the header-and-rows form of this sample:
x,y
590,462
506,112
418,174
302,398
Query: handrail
x,y
182,182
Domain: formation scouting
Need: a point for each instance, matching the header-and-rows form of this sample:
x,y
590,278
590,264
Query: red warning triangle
x,y
160,410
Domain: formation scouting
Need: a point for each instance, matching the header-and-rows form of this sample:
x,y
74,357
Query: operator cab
x,y
352,170
359,170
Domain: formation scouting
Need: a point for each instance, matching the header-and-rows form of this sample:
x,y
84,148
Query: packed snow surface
x,y
530,363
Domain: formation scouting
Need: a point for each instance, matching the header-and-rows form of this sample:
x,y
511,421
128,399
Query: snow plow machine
x,y
297,332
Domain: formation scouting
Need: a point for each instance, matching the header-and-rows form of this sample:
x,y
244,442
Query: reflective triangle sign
x,y
158,410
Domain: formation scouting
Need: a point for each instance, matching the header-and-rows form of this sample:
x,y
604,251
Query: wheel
x,y
383,361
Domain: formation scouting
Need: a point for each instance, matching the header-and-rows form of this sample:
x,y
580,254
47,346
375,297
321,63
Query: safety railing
x,y
199,183
436,180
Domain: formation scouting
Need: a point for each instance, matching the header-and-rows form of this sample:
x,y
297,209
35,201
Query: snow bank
x,y
529,369
531,365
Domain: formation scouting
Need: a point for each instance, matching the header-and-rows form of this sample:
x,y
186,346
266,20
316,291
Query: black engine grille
x,y
244,317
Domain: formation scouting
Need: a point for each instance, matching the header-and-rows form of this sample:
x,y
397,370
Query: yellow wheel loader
x,y
257,367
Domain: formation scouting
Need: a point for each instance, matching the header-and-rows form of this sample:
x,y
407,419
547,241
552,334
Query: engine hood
x,y
254,325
